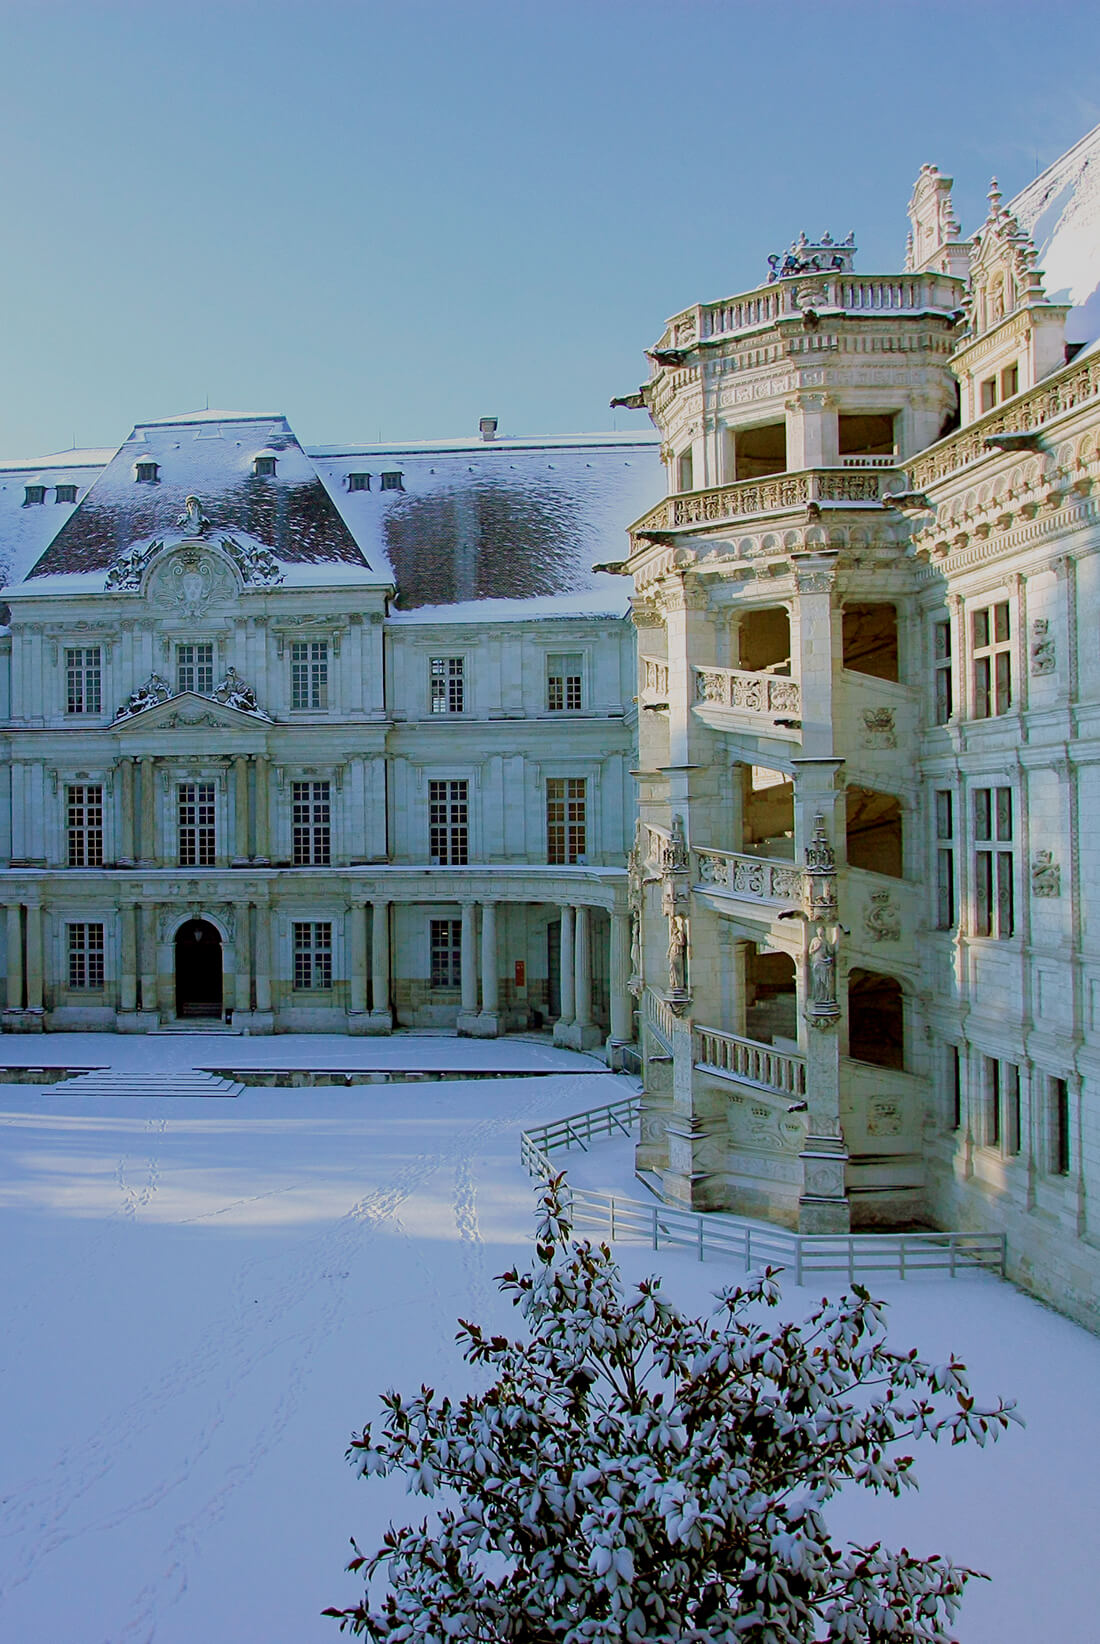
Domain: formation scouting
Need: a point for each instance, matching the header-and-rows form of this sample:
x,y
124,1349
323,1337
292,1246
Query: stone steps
x,y
187,1082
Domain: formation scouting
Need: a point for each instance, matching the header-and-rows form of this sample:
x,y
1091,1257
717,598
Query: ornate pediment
x,y
186,710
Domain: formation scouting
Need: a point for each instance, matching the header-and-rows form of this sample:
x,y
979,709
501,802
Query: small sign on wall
x,y
521,973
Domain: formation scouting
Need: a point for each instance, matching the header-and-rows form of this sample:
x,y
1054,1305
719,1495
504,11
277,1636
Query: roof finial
x,y
994,197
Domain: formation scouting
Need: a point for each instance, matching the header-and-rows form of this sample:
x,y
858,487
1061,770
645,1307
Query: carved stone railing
x,y
1039,405
750,878
654,679
823,290
869,462
750,693
658,843
749,1062
660,1018
779,493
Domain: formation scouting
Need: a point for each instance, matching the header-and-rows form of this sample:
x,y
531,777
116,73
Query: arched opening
x,y
874,832
876,1029
198,969
771,999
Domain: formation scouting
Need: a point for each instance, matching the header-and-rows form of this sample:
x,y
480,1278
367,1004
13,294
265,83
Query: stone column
x,y
150,1001
467,1015
126,813
565,1021
242,993
263,809
582,971
261,1020
127,992
240,785
489,1020
356,936
15,956
381,1015
147,851
622,1012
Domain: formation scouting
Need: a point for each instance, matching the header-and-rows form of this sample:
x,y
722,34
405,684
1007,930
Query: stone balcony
x,y
762,881
849,486
732,1057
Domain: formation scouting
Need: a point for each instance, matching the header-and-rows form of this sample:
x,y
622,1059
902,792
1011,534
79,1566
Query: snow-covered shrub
x,y
636,1474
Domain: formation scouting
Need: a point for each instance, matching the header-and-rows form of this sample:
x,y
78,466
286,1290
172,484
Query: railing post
x,y
654,1213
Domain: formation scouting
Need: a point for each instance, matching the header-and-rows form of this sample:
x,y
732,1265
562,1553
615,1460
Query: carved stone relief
x,y
1043,657
882,920
1046,875
879,728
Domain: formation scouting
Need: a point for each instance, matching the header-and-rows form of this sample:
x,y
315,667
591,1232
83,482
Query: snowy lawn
x,y
202,1299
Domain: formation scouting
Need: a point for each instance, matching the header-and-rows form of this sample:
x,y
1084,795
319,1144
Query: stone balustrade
x,y
749,1062
749,878
825,290
658,842
750,693
778,494
660,1017
654,679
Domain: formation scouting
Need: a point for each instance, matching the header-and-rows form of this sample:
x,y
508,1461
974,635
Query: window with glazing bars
x,y
83,680
994,898
309,673
84,803
563,684
1058,1101
446,953
195,668
565,818
991,645
311,823
945,859
449,823
448,678
941,662
312,954
86,956
196,824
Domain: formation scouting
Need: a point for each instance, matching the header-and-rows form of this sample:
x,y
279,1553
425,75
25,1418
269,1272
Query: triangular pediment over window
x,y
188,710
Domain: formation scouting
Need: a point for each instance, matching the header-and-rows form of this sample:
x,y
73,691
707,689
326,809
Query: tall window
x,y
954,1073
196,824
309,673
941,661
449,823
195,668
991,1127
1058,1100
991,638
446,953
945,859
312,824
312,954
565,818
448,681
85,956
994,912
85,824
563,684
1010,1096
83,680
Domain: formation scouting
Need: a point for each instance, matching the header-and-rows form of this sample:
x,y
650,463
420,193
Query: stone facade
x,y
870,699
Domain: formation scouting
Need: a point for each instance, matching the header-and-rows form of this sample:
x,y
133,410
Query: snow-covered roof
x,y
1061,212
27,529
606,598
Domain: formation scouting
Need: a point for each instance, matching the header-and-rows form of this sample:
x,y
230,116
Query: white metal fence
x,y
755,1244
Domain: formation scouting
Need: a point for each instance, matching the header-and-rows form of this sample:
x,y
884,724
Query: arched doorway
x,y
198,969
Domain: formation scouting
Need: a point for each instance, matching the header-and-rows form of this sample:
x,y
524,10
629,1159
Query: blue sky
x,y
391,219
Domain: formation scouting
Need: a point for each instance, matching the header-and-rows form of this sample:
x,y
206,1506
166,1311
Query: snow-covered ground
x,y
201,1301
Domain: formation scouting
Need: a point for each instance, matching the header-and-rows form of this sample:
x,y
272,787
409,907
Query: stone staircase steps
x,y
188,1082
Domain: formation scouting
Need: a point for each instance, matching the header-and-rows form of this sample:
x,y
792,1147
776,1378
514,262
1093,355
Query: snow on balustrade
x,y
750,1062
752,878
754,693
778,494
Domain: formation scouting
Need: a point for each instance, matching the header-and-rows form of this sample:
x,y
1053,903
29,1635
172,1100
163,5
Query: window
x,y
309,673
196,824
1010,381
392,482
941,665
85,956
563,684
65,493
991,637
685,471
263,466
991,1126
312,955
1001,1119
446,953
448,682
33,494
83,680
1010,1085
84,802
311,824
945,859
989,393
195,668
1058,1098
358,482
954,1071
146,473
994,911
565,818
448,823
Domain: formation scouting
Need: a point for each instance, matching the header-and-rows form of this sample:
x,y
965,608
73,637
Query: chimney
x,y
487,427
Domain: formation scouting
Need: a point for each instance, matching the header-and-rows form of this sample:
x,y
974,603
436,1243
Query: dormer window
x,y
359,482
146,473
65,493
35,493
392,481
263,465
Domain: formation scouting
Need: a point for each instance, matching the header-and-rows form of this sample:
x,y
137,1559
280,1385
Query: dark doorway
x,y
198,969
875,1019
553,970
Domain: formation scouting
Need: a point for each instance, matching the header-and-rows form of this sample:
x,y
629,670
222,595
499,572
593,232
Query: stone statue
x,y
235,693
677,953
635,945
126,572
822,959
154,691
193,521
